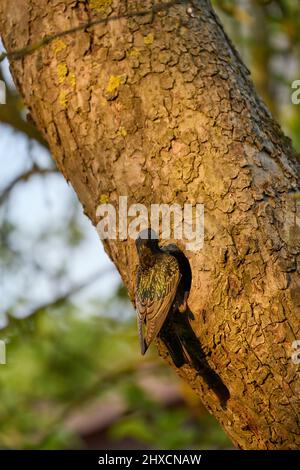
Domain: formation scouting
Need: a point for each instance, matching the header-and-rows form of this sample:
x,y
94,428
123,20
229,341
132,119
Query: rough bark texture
x,y
159,107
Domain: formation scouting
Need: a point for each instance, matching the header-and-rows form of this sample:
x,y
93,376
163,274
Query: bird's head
x,y
147,243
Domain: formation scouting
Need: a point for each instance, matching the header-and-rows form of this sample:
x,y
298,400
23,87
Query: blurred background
x,y
74,377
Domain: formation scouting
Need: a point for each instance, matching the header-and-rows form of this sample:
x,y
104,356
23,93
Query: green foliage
x,y
58,365
58,361
267,34
166,428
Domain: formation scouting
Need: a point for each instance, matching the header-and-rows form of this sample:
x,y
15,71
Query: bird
x,y
163,283
157,281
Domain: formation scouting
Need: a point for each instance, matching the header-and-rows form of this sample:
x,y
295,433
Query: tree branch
x,y
35,170
10,114
27,50
55,302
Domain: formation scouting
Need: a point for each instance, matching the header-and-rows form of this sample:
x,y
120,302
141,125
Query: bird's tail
x,y
143,344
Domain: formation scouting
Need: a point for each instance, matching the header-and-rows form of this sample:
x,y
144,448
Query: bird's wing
x,y
153,301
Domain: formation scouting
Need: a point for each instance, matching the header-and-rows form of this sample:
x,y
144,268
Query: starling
x,y
158,277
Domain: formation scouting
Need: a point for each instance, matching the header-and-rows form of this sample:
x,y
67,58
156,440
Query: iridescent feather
x,y
155,292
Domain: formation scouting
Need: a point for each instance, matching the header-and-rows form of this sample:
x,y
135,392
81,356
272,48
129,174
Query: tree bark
x,y
159,107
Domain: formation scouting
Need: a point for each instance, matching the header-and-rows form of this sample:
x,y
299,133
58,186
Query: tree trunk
x,y
155,104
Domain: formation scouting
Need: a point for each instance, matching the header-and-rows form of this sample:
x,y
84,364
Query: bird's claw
x,y
183,306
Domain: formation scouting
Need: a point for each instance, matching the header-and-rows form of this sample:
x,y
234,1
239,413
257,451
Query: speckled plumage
x,y
158,277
